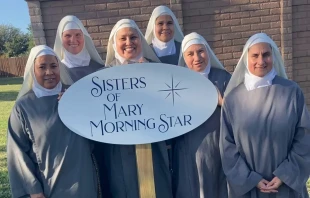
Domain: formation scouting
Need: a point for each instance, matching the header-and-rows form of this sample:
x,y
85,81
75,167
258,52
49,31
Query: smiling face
x,y
46,71
196,57
128,43
164,28
260,59
73,40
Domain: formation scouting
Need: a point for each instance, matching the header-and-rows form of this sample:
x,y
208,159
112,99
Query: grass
x,y
9,88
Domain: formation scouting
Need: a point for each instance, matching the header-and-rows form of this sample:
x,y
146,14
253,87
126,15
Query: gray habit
x,y
118,169
197,169
76,73
44,156
171,59
265,133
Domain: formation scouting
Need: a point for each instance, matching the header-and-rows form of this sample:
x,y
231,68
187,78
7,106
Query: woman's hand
x,y
263,187
60,94
274,184
40,195
220,98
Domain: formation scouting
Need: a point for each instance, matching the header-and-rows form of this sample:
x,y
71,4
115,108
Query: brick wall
x,y
226,24
98,16
301,45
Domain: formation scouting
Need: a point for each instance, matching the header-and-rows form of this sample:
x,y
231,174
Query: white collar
x,y
76,60
163,48
252,82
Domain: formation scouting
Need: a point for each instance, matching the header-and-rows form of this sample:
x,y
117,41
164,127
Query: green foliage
x,y
13,42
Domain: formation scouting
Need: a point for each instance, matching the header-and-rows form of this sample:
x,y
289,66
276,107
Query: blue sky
x,y
15,12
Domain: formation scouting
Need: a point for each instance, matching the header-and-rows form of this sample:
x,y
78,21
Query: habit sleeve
x,y
21,168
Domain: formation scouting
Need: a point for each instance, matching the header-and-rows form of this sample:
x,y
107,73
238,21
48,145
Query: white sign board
x,y
138,103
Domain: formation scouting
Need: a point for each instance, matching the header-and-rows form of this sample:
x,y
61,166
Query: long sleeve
x,y
21,168
294,171
239,176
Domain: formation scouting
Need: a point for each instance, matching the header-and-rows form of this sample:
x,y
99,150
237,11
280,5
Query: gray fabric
x,y
171,59
197,169
265,133
44,155
118,168
76,73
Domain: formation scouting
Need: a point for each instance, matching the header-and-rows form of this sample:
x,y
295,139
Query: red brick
x,y
239,15
261,26
216,4
231,9
239,41
222,43
97,43
95,7
196,5
108,13
250,7
51,11
187,13
97,36
217,50
45,4
265,19
140,18
176,7
241,28
303,60
212,37
232,62
275,11
130,12
135,4
193,26
93,29
252,20
36,19
260,13
146,10
237,2
117,5
231,22
108,28
208,11
211,24
270,5
86,15
248,34
298,15
259,1
221,17
231,36
227,49
34,11
101,21
221,30
82,2
225,56
237,55
73,9
160,2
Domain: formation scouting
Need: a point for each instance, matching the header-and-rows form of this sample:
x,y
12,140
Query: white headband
x,y
192,42
71,26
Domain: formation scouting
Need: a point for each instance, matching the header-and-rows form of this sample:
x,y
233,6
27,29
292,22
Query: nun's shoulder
x,y
283,82
25,99
177,44
220,72
94,63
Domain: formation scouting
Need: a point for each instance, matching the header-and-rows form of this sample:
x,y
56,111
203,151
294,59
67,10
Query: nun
x,y
45,158
76,49
164,35
127,45
197,168
265,127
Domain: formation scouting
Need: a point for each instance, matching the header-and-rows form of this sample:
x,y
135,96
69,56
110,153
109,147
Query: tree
x,y
13,42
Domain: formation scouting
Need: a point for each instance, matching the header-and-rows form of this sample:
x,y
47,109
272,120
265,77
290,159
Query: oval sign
x,y
138,103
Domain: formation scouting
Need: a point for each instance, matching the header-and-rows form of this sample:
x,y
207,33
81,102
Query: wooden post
x,y
145,171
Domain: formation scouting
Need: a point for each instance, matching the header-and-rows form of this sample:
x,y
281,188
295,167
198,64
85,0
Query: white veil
x,y
158,11
213,60
146,49
28,76
241,68
58,47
